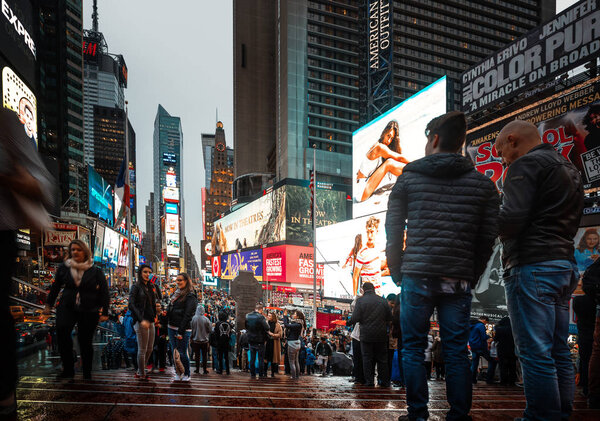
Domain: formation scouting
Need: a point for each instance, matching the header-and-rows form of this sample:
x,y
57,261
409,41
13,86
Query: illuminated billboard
x,y
171,178
259,222
98,243
172,223
112,243
353,252
172,244
251,260
291,264
172,208
19,98
100,196
171,194
123,252
382,147
169,159
17,29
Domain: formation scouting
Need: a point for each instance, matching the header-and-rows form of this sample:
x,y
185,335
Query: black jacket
x,y
450,211
181,311
504,338
93,290
591,281
257,328
294,329
142,299
541,208
372,312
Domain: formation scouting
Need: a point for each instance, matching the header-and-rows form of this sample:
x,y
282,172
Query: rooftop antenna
x,y
95,16
217,113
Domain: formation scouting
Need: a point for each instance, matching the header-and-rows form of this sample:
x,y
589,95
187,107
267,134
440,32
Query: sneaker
x,y
185,379
177,377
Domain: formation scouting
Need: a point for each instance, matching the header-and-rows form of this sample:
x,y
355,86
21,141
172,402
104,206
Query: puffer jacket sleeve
x,y
395,225
189,310
104,294
488,230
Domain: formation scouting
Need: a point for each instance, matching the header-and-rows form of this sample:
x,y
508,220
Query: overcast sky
x,y
179,54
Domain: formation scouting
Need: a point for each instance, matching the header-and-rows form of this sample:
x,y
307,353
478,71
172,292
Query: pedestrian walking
x,y
257,328
200,337
505,346
541,208
441,258
429,356
182,307
223,330
142,304
323,351
295,328
357,368
84,296
130,339
374,314
160,338
478,342
438,358
273,346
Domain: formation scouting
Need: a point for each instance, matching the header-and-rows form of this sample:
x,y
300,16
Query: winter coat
x,y
223,331
591,281
92,290
324,349
505,344
277,335
478,337
436,351
257,328
541,208
310,357
373,313
200,326
130,339
142,300
294,329
450,211
181,311
428,356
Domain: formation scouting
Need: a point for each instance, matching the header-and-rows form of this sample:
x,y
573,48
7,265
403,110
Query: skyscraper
x,y
60,98
168,183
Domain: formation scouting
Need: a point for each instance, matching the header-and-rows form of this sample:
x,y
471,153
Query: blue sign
x,y
100,196
231,264
171,208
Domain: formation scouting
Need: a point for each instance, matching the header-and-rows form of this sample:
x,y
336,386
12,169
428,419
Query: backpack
x,y
223,335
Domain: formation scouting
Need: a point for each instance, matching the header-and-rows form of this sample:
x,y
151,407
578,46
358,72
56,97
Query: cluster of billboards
x,y
100,197
111,248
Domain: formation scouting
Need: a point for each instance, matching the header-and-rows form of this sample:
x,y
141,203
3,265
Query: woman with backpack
x,y
182,308
85,294
142,304
223,332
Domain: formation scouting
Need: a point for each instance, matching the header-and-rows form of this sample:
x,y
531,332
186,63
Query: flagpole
x,y
126,196
314,224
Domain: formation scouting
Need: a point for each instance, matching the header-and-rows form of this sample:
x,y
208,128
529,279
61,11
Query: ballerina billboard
x,y
382,147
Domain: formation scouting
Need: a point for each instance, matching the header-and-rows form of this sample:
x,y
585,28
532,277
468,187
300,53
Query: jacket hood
x,y
441,165
200,310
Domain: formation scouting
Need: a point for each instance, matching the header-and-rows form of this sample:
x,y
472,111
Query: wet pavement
x,y
117,395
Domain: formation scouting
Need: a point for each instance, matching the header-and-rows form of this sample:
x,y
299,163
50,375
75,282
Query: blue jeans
x,y
215,358
476,355
257,350
182,346
538,304
419,297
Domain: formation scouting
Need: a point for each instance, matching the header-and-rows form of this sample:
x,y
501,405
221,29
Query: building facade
x,y
149,250
220,159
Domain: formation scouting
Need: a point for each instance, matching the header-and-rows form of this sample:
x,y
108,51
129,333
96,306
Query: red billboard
x,y
290,264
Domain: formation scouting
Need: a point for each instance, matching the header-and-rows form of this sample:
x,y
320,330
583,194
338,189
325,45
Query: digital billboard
x,y
17,24
382,147
568,120
171,194
172,223
291,264
259,222
206,255
100,196
251,260
169,159
353,252
587,247
172,244
171,208
210,281
19,98
112,243
123,251
171,178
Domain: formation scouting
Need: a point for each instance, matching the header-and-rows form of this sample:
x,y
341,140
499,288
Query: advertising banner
x,y
570,39
100,197
171,194
19,98
85,235
569,120
172,244
172,208
251,260
206,256
98,243
112,242
216,266
291,264
210,281
171,179
587,247
259,222
353,252
123,251
382,147
59,238
172,223
17,26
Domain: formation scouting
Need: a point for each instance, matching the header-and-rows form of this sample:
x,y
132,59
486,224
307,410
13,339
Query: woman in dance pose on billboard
x,y
383,158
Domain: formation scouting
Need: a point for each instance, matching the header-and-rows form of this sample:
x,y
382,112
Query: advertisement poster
x,y
17,97
100,196
216,266
59,238
206,256
110,254
353,252
251,260
587,247
489,296
98,243
259,222
382,147
85,235
291,264
172,244
569,121
55,254
330,208
171,208
123,251
171,194
172,223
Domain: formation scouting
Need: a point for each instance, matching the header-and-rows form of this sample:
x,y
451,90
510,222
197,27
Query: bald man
x,y
539,216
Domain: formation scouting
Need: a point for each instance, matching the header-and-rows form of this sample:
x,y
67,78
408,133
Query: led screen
x,y
171,194
100,196
123,251
172,244
171,208
383,146
19,98
172,223
112,242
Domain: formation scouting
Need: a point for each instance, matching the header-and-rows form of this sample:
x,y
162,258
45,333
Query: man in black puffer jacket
x,y
448,212
374,314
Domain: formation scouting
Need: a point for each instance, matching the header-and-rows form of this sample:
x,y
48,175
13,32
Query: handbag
x,y
178,364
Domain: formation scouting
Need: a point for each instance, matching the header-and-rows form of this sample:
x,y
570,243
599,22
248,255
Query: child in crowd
x,y
310,360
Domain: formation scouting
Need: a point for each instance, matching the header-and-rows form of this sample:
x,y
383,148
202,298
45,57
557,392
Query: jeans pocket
x,y
553,287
